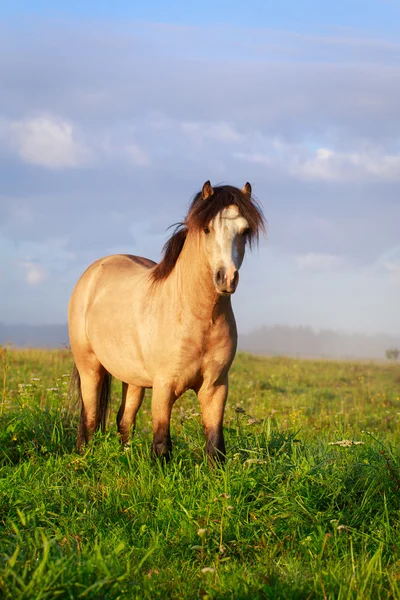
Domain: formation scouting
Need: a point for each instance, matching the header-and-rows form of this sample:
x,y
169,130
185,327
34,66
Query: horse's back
x,y
104,270
121,263
138,260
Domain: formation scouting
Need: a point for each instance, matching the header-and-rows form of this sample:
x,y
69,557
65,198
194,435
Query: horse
x,y
167,326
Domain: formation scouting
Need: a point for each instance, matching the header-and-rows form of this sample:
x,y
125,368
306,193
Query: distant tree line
x,y
392,354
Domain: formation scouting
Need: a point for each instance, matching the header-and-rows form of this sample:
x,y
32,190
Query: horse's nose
x,y
235,278
226,280
232,278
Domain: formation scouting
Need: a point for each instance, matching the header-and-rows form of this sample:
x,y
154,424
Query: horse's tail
x,y
105,395
75,392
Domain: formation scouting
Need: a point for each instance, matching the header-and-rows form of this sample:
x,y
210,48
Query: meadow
x,y
307,505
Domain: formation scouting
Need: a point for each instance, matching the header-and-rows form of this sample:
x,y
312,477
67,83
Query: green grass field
x,y
292,515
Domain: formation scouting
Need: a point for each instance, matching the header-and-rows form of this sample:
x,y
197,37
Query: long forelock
x,y
204,210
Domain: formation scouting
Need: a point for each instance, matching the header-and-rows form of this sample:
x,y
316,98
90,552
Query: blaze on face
x,y
225,241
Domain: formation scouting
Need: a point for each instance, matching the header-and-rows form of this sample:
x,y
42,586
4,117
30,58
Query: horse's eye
x,y
246,231
206,230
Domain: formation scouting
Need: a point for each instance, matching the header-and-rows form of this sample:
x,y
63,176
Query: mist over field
x,y
276,341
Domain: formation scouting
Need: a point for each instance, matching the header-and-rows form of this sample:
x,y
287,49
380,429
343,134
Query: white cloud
x,y
321,166
34,273
55,143
256,158
47,141
330,165
325,164
137,156
318,262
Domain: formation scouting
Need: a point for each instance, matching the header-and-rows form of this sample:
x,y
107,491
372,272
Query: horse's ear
x,y
246,190
207,190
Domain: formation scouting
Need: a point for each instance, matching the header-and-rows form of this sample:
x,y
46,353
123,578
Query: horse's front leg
x,y
132,398
212,400
161,406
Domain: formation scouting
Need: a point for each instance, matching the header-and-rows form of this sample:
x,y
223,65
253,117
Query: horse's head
x,y
224,219
225,241
227,218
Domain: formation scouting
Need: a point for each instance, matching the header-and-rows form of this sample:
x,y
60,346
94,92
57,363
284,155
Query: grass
x,y
292,515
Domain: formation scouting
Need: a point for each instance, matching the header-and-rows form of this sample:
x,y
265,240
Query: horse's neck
x,y
192,280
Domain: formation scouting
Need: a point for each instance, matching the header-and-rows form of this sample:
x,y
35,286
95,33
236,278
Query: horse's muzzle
x,y
226,281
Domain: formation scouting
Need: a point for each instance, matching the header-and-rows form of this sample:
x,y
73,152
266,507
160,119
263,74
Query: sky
x,y
112,115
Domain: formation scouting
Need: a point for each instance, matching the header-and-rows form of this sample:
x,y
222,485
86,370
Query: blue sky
x,y
113,115
380,16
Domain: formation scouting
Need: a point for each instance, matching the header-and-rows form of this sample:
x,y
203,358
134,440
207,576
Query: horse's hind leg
x,y
132,398
91,381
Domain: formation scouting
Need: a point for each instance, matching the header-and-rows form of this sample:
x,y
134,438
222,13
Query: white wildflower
x,y
345,443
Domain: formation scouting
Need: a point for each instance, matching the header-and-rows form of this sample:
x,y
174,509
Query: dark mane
x,y
171,250
201,212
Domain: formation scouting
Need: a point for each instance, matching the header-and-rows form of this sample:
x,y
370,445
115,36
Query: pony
x,y
167,326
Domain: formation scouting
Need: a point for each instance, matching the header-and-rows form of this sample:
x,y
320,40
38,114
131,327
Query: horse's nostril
x,y
220,276
235,277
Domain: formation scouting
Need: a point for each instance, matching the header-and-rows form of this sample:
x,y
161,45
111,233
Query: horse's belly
x,y
116,343
122,361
